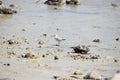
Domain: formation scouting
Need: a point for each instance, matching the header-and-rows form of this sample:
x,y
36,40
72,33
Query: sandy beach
x,y
32,28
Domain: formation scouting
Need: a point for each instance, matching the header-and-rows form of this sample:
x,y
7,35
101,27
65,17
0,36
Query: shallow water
x,y
78,24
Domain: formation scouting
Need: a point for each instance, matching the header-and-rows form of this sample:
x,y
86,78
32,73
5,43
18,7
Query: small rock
x,y
44,35
96,40
7,11
11,53
117,39
92,75
115,60
56,58
53,2
72,2
10,42
94,57
81,49
8,64
43,56
11,5
28,55
23,29
55,8
41,42
77,73
55,77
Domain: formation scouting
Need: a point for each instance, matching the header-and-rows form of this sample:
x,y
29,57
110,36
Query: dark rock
x,y
117,39
45,35
7,11
56,58
55,77
23,29
115,60
94,56
28,55
55,8
72,2
96,40
11,5
81,49
53,2
7,64
43,56
10,42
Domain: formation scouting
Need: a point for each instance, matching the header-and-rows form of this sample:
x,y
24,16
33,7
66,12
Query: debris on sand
x,y
55,77
7,64
81,49
56,58
96,40
45,35
53,2
85,57
11,53
117,39
72,2
93,76
5,10
28,55
10,42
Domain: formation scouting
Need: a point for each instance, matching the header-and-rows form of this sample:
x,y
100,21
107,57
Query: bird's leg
x,y
59,43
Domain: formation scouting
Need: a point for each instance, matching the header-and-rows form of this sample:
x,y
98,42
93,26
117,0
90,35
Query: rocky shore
x,y
91,46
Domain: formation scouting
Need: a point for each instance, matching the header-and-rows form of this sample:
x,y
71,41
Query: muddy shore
x,y
95,24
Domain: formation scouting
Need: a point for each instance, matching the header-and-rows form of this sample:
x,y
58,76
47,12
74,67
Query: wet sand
x,y
81,24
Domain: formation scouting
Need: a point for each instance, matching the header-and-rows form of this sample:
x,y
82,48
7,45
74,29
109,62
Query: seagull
x,y
58,39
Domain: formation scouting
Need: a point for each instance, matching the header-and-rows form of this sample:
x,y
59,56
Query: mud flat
x,y
28,49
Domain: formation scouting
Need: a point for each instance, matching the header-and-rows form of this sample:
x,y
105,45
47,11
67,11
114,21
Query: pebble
x,y
81,49
56,58
8,64
96,40
117,39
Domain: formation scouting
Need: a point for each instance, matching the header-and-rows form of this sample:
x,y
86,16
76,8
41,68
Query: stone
x,y
117,39
28,55
81,49
56,58
96,40
53,2
92,75
72,2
